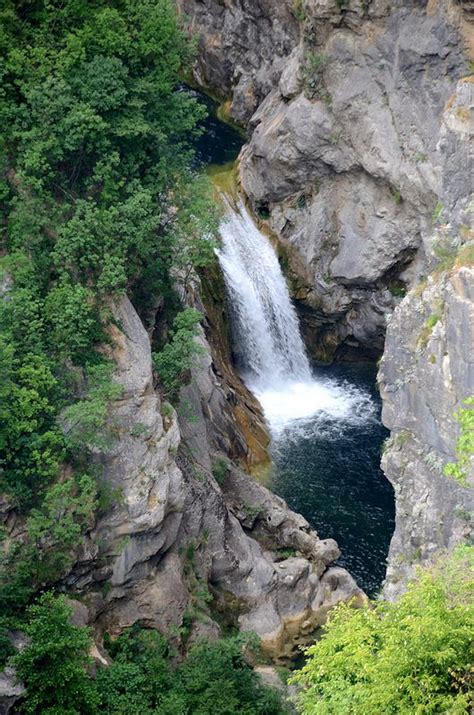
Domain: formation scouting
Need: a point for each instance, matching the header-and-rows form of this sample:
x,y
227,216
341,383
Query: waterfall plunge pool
x,y
325,422
326,466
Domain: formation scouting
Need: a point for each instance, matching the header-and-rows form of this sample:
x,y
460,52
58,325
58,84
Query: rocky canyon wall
x,y
191,541
358,159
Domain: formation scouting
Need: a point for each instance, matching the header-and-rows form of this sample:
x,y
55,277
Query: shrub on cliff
x,y
461,469
411,656
214,679
142,679
177,356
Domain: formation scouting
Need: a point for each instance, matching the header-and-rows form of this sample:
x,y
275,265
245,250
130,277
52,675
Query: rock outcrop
x,y
427,370
426,373
11,690
189,539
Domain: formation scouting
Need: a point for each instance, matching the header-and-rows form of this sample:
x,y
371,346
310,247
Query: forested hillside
x,y
98,198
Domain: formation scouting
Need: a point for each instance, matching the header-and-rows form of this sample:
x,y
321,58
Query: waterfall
x,y
267,345
266,337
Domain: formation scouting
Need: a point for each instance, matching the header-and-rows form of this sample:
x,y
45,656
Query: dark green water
x,y
329,472
220,143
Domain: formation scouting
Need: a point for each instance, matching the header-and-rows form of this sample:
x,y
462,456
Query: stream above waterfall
x,y
324,422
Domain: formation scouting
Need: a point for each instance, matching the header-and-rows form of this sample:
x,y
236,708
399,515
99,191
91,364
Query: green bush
x,y
6,646
141,680
32,446
411,656
177,357
460,469
220,469
85,420
298,10
312,71
54,534
53,665
214,678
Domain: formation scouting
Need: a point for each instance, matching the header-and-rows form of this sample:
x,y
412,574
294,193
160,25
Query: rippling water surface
x,y
326,466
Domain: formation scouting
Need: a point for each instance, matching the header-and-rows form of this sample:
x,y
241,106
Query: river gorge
x,y
237,307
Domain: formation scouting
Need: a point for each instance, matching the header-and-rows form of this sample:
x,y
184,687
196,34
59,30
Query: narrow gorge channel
x,y
324,422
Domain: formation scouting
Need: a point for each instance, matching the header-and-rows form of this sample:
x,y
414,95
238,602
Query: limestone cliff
x,y
359,117
426,372
342,102
191,540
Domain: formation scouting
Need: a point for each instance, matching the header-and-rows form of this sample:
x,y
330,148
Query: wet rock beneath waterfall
x,y
273,519
297,606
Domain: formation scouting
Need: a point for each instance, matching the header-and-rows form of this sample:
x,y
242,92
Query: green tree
x,y
214,678
178,355
31,444
54,534
140,675
411,656
53,665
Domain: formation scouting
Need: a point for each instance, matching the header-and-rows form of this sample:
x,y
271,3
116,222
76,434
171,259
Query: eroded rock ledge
x,y
174,532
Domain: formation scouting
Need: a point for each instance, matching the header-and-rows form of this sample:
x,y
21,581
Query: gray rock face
x,y
426,373
11,690
242,47
246,528
145,485
346,146
428,368
351,176
172,534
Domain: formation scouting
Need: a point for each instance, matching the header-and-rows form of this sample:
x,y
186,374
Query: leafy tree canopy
x,y
96,196
411,656
141,680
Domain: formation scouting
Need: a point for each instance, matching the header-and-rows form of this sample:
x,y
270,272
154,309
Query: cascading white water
x,y
265,326
267,343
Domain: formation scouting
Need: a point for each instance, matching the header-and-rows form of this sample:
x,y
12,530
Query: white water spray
x,y
267,343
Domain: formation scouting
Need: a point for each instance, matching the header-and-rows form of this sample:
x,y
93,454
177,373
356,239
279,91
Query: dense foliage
x,y
214,678
53,664
412,656
178,355
97,197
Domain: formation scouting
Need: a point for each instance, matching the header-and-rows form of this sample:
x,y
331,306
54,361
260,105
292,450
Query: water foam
x,y
318,406
267,342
